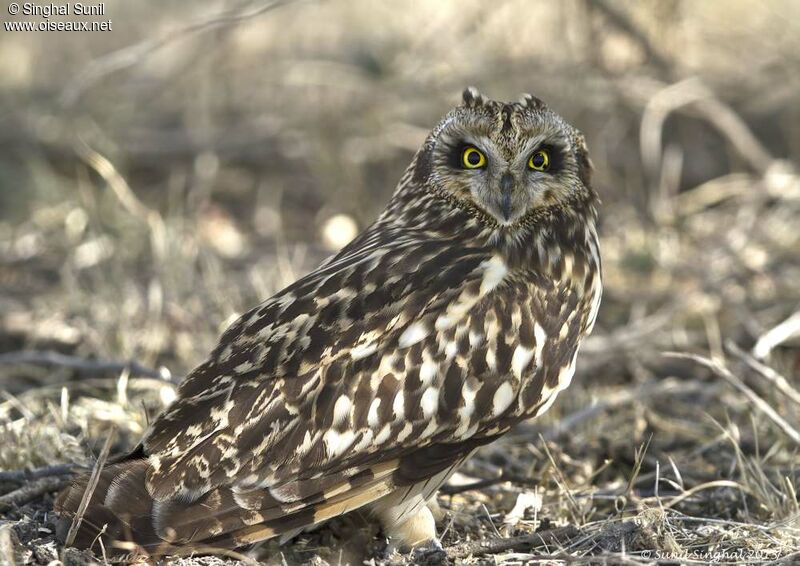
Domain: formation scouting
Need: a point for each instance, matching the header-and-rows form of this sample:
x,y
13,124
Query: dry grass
x,y
150,193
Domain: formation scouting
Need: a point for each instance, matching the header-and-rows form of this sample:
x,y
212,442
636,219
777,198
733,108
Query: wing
x,y
312,384
383,369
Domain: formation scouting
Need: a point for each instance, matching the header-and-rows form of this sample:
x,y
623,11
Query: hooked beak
x,y
506,191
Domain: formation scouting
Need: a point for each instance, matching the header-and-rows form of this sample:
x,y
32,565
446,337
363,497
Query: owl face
x,y
506,160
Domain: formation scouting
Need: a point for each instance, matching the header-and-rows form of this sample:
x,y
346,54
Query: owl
x,y
365,384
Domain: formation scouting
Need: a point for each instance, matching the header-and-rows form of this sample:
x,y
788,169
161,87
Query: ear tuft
x,y
472,98
530,101
585,167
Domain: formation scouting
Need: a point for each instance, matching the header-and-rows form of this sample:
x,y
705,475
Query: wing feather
x,y
266,425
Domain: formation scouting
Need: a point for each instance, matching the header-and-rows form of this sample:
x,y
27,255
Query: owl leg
x,y
407,522
436,510
418,530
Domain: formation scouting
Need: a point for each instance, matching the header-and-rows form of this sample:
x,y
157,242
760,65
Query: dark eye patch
x,y
556,154
455,154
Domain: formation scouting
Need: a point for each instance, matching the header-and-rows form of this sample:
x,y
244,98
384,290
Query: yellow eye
x,y
539,161
472,158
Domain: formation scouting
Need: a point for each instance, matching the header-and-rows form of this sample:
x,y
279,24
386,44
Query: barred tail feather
x,y
121,510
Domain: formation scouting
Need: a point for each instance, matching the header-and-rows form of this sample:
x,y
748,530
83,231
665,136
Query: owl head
x,y
505,161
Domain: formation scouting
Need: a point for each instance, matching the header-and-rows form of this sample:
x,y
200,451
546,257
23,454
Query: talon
x,y
430,553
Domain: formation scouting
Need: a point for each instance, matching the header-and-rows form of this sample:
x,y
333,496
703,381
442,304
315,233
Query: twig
x,y
36,473
618,19
523,542
693,92
757,401
780,382
31,491
203,550
481,484
90,487
630,336
614,529
708,485
642,393
714,191
125,195
49,358
133,54
776,336
9,545
787,559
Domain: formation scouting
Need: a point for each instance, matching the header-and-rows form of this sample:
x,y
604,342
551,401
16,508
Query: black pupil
x,y
538,160
473,157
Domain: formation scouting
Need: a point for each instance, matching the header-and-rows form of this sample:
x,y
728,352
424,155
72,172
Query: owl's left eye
x,y
473,158
540,160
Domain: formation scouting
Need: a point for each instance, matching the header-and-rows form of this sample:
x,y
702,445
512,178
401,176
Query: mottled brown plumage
x,y
366,383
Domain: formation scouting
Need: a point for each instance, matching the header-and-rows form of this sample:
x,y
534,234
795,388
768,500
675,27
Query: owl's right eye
x,y
473,158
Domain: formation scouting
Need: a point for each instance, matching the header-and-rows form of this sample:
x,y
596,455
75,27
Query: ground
x,y
149,195
674,441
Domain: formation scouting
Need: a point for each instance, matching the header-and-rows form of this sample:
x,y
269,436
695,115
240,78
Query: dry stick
x,y
620,20
31,491
630,336
216,551
133,54
523,542
786,330
49,358
90,487
780,382
692,92
757,401
189,551
708,485
9,545
481,484
36,473
125,195
622,398
642,393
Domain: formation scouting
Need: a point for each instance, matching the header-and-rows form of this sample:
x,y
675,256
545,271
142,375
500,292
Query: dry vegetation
x,y
158,179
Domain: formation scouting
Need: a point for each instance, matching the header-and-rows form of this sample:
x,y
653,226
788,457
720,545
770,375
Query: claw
x,y
430,553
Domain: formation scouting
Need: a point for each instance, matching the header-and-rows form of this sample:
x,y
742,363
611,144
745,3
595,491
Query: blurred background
x,y
161,178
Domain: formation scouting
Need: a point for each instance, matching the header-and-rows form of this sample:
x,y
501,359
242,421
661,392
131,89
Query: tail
x,y
119,509
122,516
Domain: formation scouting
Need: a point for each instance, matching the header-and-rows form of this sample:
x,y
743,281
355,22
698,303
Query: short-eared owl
x,y
366,383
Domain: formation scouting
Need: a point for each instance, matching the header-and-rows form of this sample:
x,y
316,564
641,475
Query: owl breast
x,y
502,350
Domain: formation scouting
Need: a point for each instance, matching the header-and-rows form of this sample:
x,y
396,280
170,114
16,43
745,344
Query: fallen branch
x,y
49,358
31,491
91,485
642,393
786,330
136,53
125,195
481,484
692,92
737,383
10,547
620,20
523,542
36,473
776,379
708,485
